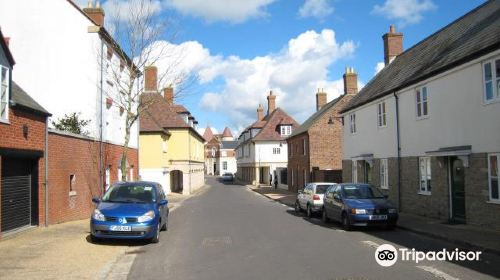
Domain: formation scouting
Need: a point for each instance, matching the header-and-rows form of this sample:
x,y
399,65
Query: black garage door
x,y
16,195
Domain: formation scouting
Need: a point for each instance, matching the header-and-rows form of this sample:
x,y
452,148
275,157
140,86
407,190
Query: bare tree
x,y
141,37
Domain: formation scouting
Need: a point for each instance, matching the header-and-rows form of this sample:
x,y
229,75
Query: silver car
x,y
311,198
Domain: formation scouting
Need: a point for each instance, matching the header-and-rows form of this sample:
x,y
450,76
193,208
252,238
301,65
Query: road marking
x,y
437,273
216,241
370,244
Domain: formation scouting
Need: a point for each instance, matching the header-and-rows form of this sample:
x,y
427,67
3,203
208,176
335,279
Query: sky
x,y
241,49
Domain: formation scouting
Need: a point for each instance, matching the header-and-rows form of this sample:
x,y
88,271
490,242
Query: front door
x,y
457,180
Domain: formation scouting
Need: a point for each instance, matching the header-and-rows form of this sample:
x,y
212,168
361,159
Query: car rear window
x,y
321,189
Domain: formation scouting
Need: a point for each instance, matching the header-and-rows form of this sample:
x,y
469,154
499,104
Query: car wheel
x,y
297,207
156,238
346,223
324,217
309,211
94,239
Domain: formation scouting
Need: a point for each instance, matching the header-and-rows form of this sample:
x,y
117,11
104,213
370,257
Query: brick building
x,y
425,129
23,124
315,148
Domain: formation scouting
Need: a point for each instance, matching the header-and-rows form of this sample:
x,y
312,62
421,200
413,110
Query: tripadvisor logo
x,y
387,255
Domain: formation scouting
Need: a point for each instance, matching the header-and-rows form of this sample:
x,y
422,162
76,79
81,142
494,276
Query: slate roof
x,y
19,98
270,130
229,145
318,114
467,38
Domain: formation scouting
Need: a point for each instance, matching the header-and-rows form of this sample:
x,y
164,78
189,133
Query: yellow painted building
x,y
171,151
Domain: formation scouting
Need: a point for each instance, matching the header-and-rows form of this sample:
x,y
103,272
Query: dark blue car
x,y
358,205
130,210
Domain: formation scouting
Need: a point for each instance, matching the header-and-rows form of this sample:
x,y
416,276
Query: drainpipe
x,y
46,156
399,150
101,183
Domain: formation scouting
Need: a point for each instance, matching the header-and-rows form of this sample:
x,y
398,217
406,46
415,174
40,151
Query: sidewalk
x,y
472,236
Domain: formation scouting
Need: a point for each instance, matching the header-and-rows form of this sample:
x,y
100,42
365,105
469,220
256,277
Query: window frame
x,y
7,93
384,174
352,123
224,165
495,80
427,190
419,102
304,147
381,114
490,199
354,171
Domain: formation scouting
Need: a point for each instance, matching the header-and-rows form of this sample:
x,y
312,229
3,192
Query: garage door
x,y
16,202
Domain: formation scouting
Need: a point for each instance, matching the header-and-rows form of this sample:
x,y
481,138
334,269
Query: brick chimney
x,y
168,93
350,81
320,99
95,13
151,78
271,102
260,112
393,45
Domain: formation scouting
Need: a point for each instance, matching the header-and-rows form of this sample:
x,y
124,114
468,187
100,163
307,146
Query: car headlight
x,y
358,211
392,211
98,216
150,215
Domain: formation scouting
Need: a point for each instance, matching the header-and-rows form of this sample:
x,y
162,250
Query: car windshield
x,y
321,189
135,193
361,192
227,174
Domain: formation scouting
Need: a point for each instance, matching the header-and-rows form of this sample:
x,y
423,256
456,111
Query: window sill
x,y
72,193
422,118
493,202
424,193
384,188
493,101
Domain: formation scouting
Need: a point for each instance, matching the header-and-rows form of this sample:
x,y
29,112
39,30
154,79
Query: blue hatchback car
x,y
358,205
130,210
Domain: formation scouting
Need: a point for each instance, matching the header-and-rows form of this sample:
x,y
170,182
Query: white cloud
x,y
405,11
294,74
316,8
234,11
379,67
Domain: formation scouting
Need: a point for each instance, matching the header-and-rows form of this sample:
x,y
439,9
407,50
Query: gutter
x,y
398,149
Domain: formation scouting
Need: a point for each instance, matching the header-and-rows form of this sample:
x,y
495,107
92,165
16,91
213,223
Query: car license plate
x,y
120,228
378,217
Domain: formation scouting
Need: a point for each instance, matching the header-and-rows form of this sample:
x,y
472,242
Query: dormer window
x,y
286,130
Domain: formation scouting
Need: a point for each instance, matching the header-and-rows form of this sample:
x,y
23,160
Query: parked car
x,y
311,198
130,210
358,205
227,177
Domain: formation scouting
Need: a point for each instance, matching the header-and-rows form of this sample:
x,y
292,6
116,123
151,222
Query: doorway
x,y
176,181
457,190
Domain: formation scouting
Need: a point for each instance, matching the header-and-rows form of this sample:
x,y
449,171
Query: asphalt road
x,y
231,232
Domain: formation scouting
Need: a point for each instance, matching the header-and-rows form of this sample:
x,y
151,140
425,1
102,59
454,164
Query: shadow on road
x,y
488,263
118,242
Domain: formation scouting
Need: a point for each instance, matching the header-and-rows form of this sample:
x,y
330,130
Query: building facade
x,y
171,150
315,148
220,155
425,129
262,153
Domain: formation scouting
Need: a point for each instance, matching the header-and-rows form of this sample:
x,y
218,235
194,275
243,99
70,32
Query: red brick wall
x,y
71,155
12,137
298,162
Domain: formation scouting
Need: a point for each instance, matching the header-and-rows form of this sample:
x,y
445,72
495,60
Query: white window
x,y
164,146
493,171
4,93
425,175
224,165
352,122
381,115
276,151
384,182
491,76
354,171
422,102
304,147
286,130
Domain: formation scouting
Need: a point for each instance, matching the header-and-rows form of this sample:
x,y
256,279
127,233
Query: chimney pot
x,y
350,81
271,103
260,113
95,13
168,94
320,99
151,78
393,45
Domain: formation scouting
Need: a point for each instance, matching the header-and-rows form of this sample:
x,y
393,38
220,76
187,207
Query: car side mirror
x,y
96,200
163,202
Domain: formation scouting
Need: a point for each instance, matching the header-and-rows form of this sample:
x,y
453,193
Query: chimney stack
x,y
260,113
350,81
320,99
393,45
151,78
168,93
95,13
271,102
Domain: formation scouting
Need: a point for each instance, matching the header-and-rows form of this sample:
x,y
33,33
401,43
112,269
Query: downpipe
x,y
398,150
